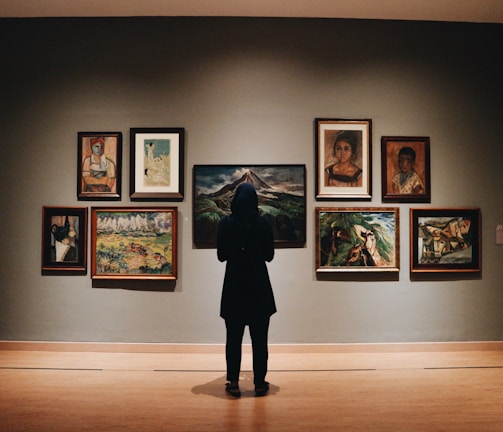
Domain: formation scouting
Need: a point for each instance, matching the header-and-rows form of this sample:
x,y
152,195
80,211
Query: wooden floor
x,y
311,390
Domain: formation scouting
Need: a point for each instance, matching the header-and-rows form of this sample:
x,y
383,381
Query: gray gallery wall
x,y
247,92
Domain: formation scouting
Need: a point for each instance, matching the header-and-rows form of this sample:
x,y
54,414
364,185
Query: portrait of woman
x,y
99,171
343,170
343,157
99,165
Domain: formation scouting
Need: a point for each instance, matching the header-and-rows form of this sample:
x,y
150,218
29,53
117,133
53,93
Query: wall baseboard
x,y
273,348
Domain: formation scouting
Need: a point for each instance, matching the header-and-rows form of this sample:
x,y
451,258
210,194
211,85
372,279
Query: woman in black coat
x,y
245,241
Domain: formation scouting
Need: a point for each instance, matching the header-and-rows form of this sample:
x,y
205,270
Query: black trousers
x,y
259,330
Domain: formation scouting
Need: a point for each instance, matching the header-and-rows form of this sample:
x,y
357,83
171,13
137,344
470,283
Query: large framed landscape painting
x,y
134,243
281,191
357,239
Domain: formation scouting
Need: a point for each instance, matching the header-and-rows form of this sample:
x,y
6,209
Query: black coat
x,y
246,244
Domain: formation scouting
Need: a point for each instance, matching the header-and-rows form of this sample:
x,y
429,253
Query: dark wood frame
x,y
175,190
326,131
445,240
73,233
287,194
113,153
343,243
114,243
390,147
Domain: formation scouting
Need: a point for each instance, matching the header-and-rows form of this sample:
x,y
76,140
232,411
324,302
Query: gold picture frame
x,y
362,239
134,243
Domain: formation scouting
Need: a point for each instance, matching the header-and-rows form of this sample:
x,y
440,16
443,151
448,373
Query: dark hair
x,y
407,151
244,204
349,137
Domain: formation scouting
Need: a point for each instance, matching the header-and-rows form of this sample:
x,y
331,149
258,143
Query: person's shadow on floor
x,y
216,388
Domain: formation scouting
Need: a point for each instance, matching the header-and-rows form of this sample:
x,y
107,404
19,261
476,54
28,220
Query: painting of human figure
x,y
99,165
357,239
157,164
343,159
445,240
405,169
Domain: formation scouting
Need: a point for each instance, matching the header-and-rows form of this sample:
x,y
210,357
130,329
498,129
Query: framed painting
x,y
357,239
343,159
157,164
64,240
134,243
405,169
99,166
281,191
445,240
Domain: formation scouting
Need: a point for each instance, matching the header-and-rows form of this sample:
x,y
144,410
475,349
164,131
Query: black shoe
x,y
233,390
262,389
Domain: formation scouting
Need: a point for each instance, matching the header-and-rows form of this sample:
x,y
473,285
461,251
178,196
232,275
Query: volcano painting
x,y
281,191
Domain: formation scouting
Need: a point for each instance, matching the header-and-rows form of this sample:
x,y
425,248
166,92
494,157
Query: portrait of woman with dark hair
x,y
98,169
344,172
343,159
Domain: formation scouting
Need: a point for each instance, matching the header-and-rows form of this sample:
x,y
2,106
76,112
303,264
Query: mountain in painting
x,y
285,211
248,177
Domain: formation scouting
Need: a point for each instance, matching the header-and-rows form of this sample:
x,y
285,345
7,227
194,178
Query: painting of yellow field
x,y
133,243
